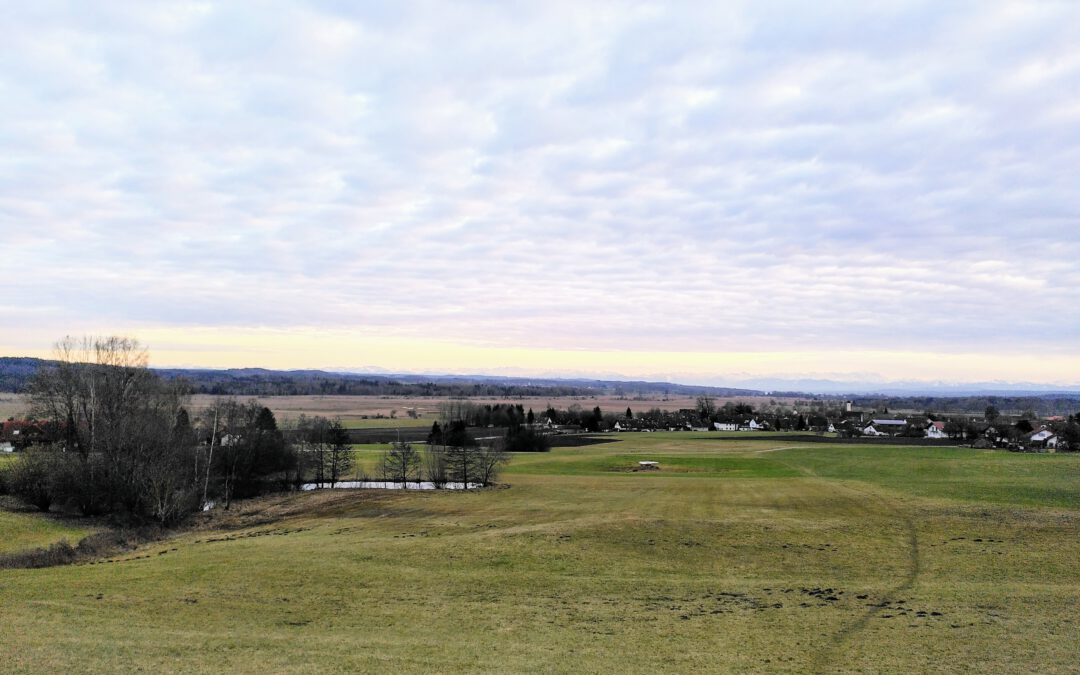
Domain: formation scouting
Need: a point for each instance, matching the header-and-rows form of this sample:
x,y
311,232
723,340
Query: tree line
x,y
454,458
123,443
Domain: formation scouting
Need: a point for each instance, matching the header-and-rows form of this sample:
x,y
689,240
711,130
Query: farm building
x,y
884,427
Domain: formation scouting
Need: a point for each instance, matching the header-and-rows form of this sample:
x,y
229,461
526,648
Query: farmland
x,y
736,555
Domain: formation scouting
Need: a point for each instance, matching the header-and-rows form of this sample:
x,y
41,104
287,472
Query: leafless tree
x,y
434,466
489,461
401,463
340,457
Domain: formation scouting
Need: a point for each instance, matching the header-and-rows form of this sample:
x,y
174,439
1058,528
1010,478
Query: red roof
x,y
8,428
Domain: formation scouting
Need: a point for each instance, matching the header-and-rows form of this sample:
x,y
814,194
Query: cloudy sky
x,y
699,191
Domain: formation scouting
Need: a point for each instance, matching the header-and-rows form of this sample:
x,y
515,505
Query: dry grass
x,y
580,568
427,407
12,405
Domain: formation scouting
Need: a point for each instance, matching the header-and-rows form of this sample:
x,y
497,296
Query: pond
x,y
385,485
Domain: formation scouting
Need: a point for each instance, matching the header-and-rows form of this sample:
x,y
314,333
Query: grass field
x,y
22,529
28,530
736,556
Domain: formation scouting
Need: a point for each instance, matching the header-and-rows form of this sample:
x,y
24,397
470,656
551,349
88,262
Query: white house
x,y
884,427
752,425
725,426
1041,435
1044,438
6,446
936,430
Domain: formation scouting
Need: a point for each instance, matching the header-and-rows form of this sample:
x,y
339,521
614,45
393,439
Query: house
x,y
725,426
1043,438
884,427
751,425
20,434
1041,435
936,430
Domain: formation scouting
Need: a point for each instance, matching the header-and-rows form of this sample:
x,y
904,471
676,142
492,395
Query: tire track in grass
x,y
827,656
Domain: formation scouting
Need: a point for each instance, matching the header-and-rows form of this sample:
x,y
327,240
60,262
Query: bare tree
x,y
313,445
461,463
250,447
706,408
340,456
401,464
489,460
434,466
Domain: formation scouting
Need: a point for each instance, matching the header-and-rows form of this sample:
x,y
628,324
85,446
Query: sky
x,y
703,192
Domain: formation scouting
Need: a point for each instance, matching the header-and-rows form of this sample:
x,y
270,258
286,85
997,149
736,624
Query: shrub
x,y
83,484
30,478
60,553
527,440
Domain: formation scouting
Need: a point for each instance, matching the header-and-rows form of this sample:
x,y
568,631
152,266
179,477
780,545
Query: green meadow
x,y
737,555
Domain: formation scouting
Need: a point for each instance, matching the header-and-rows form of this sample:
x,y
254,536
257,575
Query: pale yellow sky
x,y
293,349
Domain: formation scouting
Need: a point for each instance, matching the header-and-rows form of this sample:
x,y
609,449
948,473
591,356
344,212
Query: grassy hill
x,y
735,556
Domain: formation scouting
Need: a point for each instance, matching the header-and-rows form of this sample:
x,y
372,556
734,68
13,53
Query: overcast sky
x,y
695,190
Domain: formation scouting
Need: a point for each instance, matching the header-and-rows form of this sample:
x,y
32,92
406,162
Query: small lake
x,y
385,485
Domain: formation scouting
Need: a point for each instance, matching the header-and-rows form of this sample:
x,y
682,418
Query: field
x,y
12,405
22,528
354,407
736,555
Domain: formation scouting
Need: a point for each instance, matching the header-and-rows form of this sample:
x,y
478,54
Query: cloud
x,y
640,176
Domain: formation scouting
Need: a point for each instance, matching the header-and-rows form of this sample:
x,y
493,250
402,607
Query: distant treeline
x,y
271,383
1029,406
16,372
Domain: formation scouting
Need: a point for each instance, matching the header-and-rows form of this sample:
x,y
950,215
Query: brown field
x,y
352,407
12,405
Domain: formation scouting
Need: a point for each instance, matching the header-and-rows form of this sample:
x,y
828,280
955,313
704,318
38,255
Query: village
x,y
1019,432
1022,432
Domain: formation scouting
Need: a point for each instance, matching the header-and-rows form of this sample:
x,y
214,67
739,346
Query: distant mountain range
x,y
15,374
908,388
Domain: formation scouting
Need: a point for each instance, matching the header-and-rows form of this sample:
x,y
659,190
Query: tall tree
x,y
706,408
341,456
400,464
